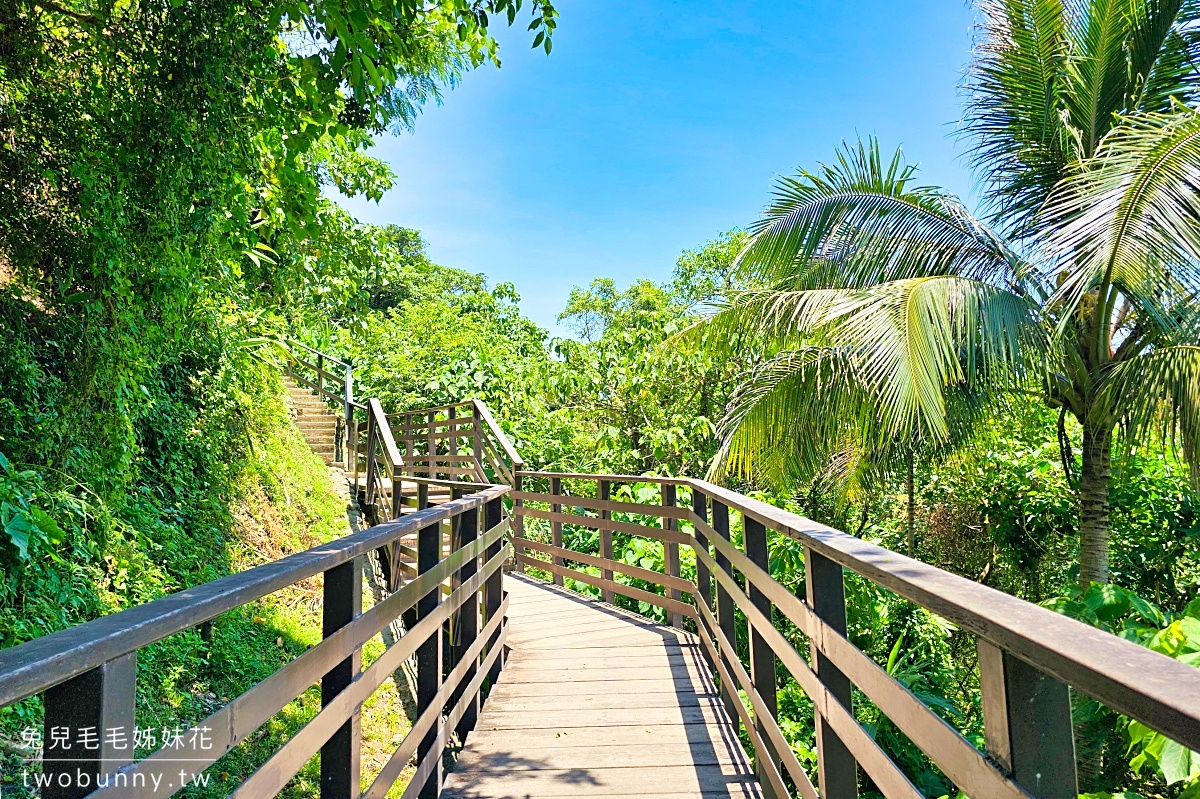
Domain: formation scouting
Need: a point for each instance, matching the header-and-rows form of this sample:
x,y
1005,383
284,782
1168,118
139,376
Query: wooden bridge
x,y
527,687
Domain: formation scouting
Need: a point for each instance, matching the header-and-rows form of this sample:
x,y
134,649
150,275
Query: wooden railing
x,y
86,674
459,443
384,467
1028,655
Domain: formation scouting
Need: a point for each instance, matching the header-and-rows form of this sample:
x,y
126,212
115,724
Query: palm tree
x,y
886,303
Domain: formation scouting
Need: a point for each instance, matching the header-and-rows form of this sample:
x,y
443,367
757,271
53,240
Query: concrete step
x,y
324,431
321,431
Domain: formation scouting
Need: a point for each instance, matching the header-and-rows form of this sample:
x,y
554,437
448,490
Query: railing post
x,y
518,527
556,528
493,589
371,467
837,772
603,490
348,406
429,657
431,444
353,424
397,494
703,578
1027,724
452,441
466,620
79,713
477,452
340,755
671,549
320,376
725,608
762,657
410,616
410,438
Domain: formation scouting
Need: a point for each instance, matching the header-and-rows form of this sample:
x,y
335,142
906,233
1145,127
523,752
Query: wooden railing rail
x,y
86,673
384,467
461,441
1029,656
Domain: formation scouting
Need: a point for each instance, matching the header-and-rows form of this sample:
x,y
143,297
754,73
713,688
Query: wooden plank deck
x,y
595,701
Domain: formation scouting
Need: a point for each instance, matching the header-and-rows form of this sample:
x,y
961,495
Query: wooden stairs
x,y
315,419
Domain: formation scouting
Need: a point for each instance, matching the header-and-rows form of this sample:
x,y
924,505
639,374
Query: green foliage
x,y
25,523
230,484
643,405
164,169
1125,745
1156,523
441,335
609,400
885,299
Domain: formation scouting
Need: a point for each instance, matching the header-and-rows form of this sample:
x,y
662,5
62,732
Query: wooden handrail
x,y
74,668
391,452
1028,654
294,343
1158,691
33,667
431,409
412,426
612,478
485,414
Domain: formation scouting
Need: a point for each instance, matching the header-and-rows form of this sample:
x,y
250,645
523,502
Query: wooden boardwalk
x,y
595,701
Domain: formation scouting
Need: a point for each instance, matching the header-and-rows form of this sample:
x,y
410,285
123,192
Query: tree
x,y
162,168
1081,282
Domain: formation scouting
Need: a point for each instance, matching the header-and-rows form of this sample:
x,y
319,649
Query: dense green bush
x,y
225,483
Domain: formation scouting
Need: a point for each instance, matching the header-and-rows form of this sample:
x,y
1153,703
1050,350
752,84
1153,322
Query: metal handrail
x,y
327,356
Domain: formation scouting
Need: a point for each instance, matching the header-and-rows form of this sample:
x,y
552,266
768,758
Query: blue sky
x,y
654,126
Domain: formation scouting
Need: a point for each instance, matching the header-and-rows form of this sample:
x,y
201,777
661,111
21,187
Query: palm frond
x,y
1128,218
859,221
767,319
1052,78
916,338
1014,91
1158,392
790,416
1096,78
1164,58
880,362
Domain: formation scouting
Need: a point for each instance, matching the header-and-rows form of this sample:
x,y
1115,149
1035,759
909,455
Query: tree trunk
x,y
1094,525
912,522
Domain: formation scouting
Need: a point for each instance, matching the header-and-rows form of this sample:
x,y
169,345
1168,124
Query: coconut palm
x,y
884,304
